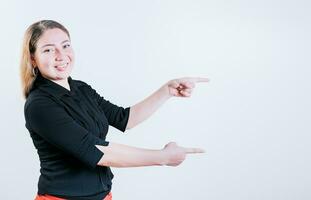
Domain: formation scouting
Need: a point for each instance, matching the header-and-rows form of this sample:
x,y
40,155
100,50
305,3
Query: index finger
x,y
194,150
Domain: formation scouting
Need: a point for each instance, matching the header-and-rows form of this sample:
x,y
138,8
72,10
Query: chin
x,y
63,74
61,77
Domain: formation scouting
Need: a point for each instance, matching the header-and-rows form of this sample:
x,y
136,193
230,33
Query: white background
x,y
253,118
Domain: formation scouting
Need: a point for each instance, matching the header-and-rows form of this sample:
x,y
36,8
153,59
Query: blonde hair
x,y
31,37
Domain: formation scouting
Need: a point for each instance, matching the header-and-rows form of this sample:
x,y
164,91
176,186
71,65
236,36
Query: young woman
x,y
68,120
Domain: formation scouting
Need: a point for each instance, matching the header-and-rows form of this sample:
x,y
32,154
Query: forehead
x,y
52,36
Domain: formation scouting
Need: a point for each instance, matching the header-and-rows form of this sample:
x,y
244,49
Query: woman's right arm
x,y
119,155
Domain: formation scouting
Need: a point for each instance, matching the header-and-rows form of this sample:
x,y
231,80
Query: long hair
x,y
31,37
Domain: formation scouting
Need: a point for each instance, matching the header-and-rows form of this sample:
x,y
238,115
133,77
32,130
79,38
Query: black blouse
x,y
65,126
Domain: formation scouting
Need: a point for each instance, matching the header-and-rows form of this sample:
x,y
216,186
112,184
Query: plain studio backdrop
x,y
253,118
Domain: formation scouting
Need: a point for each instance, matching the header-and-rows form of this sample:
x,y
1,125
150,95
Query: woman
x,y
68,120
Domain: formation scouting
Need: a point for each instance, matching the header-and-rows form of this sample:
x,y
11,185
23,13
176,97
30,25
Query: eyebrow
x,y
54,44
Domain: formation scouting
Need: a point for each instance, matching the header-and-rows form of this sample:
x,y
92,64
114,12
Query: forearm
x,y
144,109
118,155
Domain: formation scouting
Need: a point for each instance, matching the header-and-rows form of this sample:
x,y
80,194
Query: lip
x,y
62,67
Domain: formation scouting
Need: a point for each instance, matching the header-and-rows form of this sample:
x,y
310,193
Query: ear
x,y
33,61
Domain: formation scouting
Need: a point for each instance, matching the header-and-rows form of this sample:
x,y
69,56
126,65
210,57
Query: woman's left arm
x,y
181,87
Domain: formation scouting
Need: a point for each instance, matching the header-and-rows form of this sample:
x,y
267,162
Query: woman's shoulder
x,y
36,94
39,100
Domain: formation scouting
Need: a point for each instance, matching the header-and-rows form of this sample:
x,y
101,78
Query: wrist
x,y
165,92
163,157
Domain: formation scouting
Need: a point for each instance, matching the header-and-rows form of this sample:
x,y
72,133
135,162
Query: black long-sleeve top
x,y
65,125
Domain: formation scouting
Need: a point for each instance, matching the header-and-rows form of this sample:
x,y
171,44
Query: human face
x,y
54,55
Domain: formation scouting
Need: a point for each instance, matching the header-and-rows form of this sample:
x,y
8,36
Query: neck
x,y
63,82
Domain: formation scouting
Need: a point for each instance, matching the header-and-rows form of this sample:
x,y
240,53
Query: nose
x,y
59,55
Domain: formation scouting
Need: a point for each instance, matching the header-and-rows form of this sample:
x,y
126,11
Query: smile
x,y
61,67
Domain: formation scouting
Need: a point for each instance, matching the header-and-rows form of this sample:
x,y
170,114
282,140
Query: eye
x,y
66,46
48,50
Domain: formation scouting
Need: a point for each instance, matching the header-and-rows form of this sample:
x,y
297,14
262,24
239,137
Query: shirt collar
x,y
53,88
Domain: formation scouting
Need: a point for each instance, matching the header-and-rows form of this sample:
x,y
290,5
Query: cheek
x,y
71,56
45,63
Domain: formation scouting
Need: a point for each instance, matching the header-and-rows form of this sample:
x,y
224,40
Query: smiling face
x,y
54,55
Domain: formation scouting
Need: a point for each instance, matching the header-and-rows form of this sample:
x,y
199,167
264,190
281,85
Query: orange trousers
x,y
50,197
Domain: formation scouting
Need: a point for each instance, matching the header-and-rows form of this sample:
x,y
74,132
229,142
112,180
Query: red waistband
x,y
51,197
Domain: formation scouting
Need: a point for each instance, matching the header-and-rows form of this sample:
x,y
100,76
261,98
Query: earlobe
x,y
35,69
